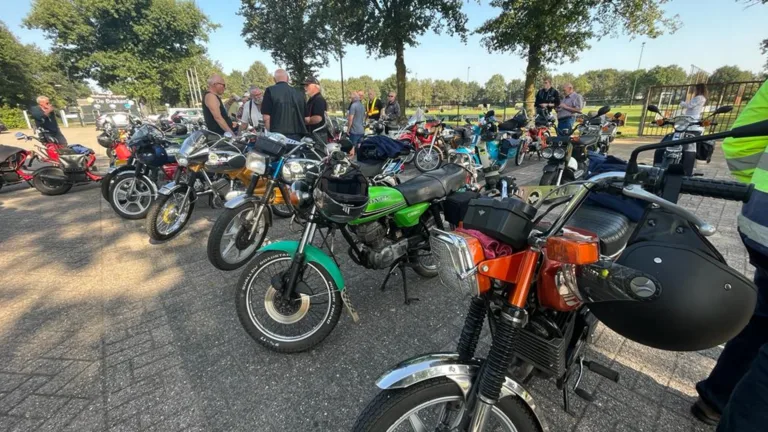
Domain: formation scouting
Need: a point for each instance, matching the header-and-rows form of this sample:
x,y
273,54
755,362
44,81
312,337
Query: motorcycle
x,y
567,156
72,165
202,152
598,126
527,143
431,149
12,169
543,300
289,297
133,191
414,133
685,127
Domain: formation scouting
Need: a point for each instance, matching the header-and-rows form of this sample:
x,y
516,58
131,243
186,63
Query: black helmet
x,y
104,140
378,128
341,194
489,131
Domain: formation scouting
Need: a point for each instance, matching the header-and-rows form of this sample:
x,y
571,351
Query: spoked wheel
x,y
132,196
437,404
282,210
428,158
166,217
228,245
281,324
520,157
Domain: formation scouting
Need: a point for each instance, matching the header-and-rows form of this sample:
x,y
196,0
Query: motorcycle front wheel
x,y
132,196
287,325
228,245
520,157
166,218
437,404
548,179
428,158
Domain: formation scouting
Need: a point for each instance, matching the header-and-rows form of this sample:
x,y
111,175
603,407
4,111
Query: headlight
x,y
182,161
297,169
256,162
558,153
547,153
681,124
300,195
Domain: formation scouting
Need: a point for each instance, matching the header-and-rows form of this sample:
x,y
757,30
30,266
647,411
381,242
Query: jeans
x,y
738,385
355,138
565,126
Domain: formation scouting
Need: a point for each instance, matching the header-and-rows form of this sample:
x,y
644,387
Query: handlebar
x,y
722,189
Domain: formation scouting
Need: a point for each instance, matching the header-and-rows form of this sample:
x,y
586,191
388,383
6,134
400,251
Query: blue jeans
x,y
355,139
738,385
565,126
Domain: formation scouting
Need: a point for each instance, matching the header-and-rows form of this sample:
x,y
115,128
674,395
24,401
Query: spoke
x,y
228,248
416,423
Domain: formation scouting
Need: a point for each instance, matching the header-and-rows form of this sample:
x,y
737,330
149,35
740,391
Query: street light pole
x,y
634,87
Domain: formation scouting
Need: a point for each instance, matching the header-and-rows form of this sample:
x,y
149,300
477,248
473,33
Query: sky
x,y
713,33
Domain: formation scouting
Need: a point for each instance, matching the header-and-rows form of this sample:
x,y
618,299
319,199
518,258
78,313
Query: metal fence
x,y
668,98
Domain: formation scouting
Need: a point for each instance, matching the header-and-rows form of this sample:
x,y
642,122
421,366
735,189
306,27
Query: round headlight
x,y
256,162
300,195
546,153
559,153
182,161
296,169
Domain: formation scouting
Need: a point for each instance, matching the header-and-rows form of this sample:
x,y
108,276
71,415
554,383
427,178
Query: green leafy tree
x,y
236,83
363,83
474,92
294,32
603,83
495,89
332,93
126,48
443,92
390,84
516,89
386,28
666,75
258,75
546,32
726,74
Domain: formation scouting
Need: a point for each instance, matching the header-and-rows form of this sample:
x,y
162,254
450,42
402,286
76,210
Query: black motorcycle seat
x,y
370,169
433,184
614,229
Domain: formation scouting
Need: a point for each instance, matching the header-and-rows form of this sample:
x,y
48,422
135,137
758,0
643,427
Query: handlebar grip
x,y
723,189
751,130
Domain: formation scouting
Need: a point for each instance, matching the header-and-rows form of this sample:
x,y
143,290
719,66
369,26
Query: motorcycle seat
x,y
371,169
433,185
613,228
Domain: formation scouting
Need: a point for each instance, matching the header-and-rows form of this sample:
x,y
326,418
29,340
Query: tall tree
x,y
545,32
236,83
258,75
387,27
669,75
516,89
474,92
127,46
725,74
496,89
459,89
293,31
443,92
390,84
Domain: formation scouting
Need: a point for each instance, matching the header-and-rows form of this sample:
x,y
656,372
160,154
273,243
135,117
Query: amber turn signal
x,y
573,248
660,122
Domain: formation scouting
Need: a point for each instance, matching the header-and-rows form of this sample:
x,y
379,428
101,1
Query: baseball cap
x,y
311,80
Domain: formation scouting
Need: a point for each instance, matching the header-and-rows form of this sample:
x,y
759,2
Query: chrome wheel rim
x,y
446,410
135,203
170,218
428,159
228,246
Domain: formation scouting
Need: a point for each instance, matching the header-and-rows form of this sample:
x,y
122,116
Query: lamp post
x,y
634,87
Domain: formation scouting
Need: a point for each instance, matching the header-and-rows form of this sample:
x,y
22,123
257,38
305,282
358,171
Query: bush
x,y
12,117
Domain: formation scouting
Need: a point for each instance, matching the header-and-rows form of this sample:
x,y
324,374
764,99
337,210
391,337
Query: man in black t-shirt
x,y
283,108
314,111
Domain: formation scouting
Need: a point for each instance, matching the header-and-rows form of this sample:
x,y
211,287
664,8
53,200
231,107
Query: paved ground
x,y
101,330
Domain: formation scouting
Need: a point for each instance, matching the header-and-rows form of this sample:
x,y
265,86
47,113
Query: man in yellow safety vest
x,y
374,106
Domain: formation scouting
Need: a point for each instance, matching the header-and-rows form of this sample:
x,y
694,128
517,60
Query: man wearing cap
x,y
251,115
283,108
314,110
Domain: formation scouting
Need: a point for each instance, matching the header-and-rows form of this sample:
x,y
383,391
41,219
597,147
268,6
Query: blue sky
x,y
714,33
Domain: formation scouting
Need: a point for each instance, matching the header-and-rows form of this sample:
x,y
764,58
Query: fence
x,y
668,98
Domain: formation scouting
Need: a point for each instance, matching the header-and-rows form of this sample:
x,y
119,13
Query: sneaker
x,y
705,412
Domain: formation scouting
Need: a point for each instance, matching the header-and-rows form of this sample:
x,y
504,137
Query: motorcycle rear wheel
x,y
231,229
165,220
391,409
51,189
520,157
270,320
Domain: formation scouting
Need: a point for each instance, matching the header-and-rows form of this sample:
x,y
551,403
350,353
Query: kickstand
x,y
399,265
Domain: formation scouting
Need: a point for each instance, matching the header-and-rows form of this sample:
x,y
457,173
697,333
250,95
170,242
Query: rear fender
x,y
463,373
312,254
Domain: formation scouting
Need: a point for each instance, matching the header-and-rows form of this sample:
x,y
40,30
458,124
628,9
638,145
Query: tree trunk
x,y
400,74
531,72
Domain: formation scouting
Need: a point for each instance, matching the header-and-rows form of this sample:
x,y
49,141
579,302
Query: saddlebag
x,y
704,150
508,220
456,205
73,162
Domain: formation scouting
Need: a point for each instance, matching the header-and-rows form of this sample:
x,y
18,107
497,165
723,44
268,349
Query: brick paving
x,y
101,330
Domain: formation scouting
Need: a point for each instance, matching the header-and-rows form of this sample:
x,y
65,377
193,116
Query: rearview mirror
x,y
603,110
724,109
617,115
654,109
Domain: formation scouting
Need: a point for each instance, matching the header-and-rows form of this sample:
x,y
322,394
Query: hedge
x,y
12,117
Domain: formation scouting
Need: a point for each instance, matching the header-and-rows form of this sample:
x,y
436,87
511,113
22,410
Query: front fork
x,y
191,179
298,259
261,206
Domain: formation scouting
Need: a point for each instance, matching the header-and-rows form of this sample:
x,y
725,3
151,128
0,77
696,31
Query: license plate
x,y
120,162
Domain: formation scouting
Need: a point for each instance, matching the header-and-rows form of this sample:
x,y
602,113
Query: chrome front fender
x,y
448,365
241,200
169,188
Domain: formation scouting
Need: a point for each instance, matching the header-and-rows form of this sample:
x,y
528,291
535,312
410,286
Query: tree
x,y
390,85
603,83
332,94
236,83
496,89
295,32
443,92
387,27
126,47
666,75
474,92
725,74
545,32
516,88
258,75
363,82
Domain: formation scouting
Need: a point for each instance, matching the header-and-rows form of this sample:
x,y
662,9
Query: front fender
x,y
551,167
448,365
242,200
170,188
312,254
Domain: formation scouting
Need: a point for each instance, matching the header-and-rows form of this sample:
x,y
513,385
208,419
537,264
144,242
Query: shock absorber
x,y
473,325
500,357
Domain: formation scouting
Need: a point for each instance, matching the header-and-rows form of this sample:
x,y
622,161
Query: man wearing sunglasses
x,y
214,112
391,111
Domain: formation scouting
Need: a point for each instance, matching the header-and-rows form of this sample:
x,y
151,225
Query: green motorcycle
x,y
290,296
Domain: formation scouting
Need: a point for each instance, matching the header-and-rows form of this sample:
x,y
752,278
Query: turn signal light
x,y
573,247
706,123
660,122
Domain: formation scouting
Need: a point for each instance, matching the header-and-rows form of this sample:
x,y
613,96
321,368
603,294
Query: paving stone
x,y
38,406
